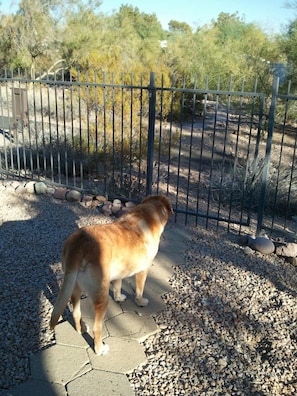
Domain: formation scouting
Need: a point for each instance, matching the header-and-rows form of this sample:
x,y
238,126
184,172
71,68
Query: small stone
x,y
87,198
15,184
73,196
248,250
130,204
50,191
261,244
287,250
30,186
106,209
100,198
95,203
40,188
60,193
116,206
86,201
21,190
222,363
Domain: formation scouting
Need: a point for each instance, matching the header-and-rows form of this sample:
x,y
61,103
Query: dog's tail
x,y
63,297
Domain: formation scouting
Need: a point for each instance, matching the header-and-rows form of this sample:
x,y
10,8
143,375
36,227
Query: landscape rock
x,y
287,250
260,244
60,193
30,186
15,184
86,201
292,260
40,188
95,203
130,204
21,189
106,208
100,198
116,206
50,190
73,196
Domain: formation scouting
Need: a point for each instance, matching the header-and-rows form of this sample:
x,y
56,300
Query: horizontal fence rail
x,y
211,151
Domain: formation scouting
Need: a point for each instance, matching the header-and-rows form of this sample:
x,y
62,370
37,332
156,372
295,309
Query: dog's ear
x,y
166,203
169,206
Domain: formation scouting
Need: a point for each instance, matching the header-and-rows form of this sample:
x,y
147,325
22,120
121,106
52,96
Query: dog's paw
x,y
120,298
142,302
102,350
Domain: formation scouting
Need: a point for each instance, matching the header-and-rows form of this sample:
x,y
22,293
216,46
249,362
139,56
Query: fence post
x,y
271,121
151,134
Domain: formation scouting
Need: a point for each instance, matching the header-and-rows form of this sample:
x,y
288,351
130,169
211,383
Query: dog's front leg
x,y
140,279
117,295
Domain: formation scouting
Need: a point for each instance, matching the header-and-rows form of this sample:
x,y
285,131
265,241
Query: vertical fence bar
x,y
72,109
271,120
249,155
121,164
170,137
81,154
44,161
151,134
140,178
104,101
65,132
131,136
179,158
10,135
198,195
57,137
212,155
193,111
88,137
35,129
160,137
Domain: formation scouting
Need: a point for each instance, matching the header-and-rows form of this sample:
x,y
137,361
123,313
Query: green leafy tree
x,y
179,27
34,32
288,47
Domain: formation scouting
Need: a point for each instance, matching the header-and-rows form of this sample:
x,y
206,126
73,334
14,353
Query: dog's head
x,y
162,204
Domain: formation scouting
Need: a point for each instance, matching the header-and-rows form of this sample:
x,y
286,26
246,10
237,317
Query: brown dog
x,y
95,255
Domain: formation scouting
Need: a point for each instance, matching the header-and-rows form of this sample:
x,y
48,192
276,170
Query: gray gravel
x,y
230,326
32,231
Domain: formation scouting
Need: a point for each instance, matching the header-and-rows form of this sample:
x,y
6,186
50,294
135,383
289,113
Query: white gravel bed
x,y
229,328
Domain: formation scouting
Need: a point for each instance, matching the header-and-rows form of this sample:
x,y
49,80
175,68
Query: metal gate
x,y
210,168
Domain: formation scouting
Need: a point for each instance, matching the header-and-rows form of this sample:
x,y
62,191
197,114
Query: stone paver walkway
x,y
71,368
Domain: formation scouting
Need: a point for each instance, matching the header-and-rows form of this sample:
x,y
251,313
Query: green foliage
x,y
42,32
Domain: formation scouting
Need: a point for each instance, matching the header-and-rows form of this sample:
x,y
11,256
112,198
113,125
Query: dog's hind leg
x,y
140,279
100,302
80,325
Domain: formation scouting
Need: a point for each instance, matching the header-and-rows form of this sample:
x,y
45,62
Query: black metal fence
x,y
222,156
